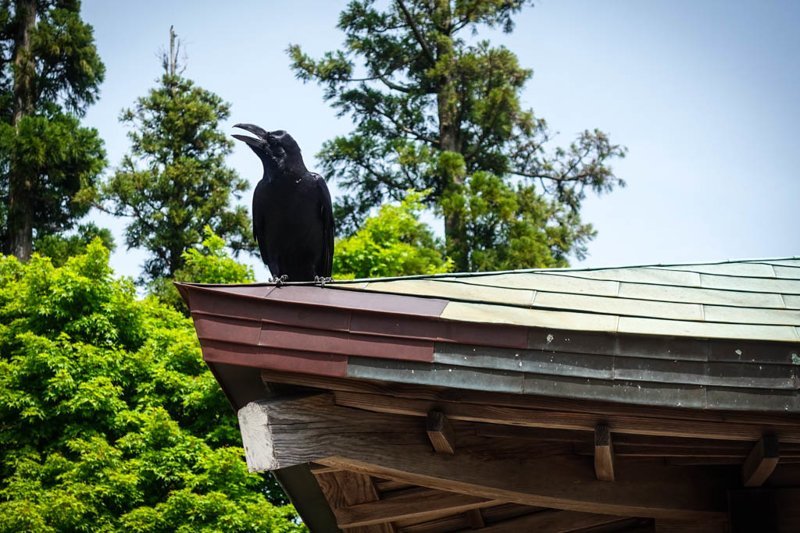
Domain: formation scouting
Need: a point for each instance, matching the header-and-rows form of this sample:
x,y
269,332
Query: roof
x,y
518,378
708,336
754,299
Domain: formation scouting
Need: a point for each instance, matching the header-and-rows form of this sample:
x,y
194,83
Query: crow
x,y
292,213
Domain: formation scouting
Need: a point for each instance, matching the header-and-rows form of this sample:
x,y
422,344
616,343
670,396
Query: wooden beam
x,y
603,453
761,462
350,489
281,433
418,504
440,432
553,522
512,416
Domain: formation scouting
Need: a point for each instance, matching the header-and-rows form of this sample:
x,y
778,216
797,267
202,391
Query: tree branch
x,y
417,35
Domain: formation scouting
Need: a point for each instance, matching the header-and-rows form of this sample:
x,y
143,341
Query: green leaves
x,y
65,159
394,242
109,418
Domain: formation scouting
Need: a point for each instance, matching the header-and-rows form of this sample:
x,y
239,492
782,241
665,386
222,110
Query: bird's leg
x,y
279,280
322,281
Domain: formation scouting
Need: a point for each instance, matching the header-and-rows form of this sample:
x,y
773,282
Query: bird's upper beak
x,y
261,134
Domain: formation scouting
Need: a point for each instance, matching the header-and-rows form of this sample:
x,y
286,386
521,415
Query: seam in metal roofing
x,y
751,299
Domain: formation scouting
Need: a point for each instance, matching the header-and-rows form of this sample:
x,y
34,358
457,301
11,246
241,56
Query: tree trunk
x,y
20,201
450,140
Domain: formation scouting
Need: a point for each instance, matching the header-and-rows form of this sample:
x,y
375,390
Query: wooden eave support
x,y
554,521
285,432
603,453
761,462
440,432
553,419
417,505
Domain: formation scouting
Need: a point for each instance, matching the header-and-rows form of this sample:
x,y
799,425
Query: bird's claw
x,y
322,281
279,280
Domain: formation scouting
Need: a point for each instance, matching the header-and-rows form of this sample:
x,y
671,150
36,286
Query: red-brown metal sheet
x,y
440,330
361,301
227,329
334,342
319,364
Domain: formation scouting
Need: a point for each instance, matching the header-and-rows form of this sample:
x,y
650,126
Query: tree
x,y
394,242
208,263
436,110
109,418
49,165
174,182
59,248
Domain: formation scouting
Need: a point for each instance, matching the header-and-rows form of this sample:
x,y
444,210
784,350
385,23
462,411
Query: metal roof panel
x,y
619,306
455,291
497,314
666,293
651,326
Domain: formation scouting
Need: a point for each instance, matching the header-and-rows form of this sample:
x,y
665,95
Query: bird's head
x,y
278,151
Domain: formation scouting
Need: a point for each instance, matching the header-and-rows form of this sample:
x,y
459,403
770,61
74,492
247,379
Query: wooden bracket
x,y
440,432
603,453
761,462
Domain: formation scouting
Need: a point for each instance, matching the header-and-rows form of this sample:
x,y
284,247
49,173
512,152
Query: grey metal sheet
x,y
753,400
701,296
761,353
434,374
534,361
641,392
630,368
768,285
663,394
606,344
619,306
745,376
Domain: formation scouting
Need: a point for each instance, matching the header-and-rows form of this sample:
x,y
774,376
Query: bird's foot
x,y
319,280
279,280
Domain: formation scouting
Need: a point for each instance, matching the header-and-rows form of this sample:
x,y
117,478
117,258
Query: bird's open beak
x,y
261,134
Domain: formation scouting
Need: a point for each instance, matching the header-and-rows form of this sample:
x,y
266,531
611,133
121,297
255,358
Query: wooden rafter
x,y
417,504
554,521
345,490
627,424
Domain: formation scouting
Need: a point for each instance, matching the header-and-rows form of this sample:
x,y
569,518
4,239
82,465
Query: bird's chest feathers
x,y
289,202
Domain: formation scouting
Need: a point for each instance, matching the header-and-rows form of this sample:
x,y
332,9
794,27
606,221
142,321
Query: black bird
x,y
292,214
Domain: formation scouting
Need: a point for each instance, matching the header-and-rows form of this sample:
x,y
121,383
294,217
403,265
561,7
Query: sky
x,y
705,96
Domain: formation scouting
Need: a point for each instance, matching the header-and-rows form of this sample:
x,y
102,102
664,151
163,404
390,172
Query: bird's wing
x,y
325,266
259,214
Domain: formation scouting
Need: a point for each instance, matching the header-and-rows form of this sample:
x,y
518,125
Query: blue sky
x,y
703,94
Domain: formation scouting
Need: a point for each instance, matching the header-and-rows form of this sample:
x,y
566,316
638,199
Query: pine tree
x,y
435,108
49,164
174,181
